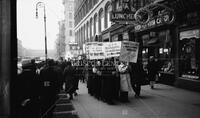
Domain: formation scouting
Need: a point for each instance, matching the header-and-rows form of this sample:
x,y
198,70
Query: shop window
x,y
189,55
158,44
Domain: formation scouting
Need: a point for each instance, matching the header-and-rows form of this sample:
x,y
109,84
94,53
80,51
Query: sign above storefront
x,y
121,16
156,15
124,14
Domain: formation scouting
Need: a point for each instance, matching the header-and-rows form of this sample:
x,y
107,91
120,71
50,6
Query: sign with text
x,y
124,13
122,16
157,14
112,49
95,50
160,20
129,51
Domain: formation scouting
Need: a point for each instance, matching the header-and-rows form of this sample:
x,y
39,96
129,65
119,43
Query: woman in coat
x,y
125,82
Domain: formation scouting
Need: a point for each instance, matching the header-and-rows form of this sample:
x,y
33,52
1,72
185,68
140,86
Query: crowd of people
x,y
113,82
37,85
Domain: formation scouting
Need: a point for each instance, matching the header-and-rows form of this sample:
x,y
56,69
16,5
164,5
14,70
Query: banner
x,y
129,51
112,49
94,50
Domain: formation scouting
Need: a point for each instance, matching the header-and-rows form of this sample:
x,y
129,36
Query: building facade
x,y
92,17
173,38
61,40
69,22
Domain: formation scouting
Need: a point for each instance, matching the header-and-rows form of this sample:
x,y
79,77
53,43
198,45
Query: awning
x,y
190,34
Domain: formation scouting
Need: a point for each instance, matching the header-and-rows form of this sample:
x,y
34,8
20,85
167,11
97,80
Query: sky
x,y
31,30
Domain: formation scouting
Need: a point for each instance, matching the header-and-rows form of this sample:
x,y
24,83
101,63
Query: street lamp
x,y
41,4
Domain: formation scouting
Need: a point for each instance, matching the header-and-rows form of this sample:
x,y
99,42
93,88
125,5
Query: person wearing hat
x,y
125,82
152,71
26,92
49,77
70,80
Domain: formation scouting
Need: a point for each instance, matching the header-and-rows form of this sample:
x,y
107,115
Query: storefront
x,y
158,42
189,51
157,38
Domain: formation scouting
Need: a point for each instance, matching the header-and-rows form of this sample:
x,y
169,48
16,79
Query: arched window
x,y
108,9
91,27
101,20
85,32
88,27
95,24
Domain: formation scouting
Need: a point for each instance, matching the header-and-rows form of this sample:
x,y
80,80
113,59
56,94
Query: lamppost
x,y
41,4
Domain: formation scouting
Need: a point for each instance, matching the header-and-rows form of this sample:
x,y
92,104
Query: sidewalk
x,y
162,102
64,108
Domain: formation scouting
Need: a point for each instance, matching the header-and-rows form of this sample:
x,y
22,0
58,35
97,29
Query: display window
x,y
159,45
189,54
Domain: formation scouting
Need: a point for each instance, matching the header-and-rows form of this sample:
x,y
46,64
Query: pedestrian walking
x,y
97,72
152,71
125,82
108,82
138,75
49,77
69,76
26,92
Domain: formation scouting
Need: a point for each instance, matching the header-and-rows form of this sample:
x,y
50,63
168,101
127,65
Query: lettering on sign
x,y
121,16
155,15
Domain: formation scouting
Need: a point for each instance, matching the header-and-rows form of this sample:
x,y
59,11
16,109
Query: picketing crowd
x,y
37,86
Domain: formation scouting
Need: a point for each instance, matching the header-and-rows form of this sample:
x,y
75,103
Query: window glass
x,y
101,21
159,45
189,55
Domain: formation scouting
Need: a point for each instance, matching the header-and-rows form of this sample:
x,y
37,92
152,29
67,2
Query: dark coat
x,y
26,86
69,76
137,73
51,76
152,68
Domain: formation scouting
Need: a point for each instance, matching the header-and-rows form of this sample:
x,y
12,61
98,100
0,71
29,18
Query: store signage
x,y
125,13
160,15
155,22
121,16
129,51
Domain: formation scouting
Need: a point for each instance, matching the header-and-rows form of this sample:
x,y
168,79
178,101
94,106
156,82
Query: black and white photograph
x,y
100,59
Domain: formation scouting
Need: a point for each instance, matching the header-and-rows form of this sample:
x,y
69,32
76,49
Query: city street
x,y
162,102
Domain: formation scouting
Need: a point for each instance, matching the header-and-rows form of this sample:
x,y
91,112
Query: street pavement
x,y
162,102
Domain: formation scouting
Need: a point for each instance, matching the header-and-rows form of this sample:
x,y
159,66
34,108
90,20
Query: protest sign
x,y
95,50
112,49
129,51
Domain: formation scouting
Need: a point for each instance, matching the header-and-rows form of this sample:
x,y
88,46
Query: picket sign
x,y
129,51
126,50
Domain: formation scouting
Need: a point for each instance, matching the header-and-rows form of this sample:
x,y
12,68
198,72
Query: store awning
x,y
190,34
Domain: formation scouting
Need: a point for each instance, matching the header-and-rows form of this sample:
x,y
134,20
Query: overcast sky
x,y
31,30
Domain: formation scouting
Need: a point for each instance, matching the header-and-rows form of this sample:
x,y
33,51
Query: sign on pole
x,y
129,51
112,49
94,50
